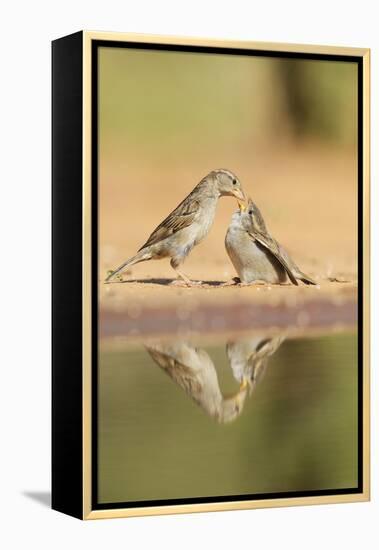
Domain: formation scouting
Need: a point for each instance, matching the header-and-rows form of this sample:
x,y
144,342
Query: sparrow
x,y
188,224
256,255
248,357
194,371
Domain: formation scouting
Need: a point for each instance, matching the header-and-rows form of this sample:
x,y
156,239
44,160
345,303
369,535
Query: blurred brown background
x,y
286,127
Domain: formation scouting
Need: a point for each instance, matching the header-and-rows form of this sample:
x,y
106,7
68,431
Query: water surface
x,y
220,417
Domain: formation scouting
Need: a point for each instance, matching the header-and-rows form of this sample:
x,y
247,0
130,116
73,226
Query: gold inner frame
x,y
88,513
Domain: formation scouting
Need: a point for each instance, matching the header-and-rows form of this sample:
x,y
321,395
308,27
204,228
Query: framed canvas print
x,y
210,275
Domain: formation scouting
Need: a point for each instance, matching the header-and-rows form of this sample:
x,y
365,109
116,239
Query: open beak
x,y
243,385
240,394
239,194
240,397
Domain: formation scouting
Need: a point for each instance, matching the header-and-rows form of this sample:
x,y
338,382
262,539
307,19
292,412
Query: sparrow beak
x,y
239,194
243,385
241,395
241,205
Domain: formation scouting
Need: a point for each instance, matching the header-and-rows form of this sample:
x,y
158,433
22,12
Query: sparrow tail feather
x,y
139,257
306,279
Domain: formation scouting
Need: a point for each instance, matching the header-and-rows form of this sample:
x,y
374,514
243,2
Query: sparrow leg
x,y
184,277
175,262
186,280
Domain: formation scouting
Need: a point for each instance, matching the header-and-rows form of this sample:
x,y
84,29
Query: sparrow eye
x,y
234,181
250,212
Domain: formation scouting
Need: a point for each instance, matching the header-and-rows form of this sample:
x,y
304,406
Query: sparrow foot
x,y
179,283
182,278
186,284
232,282
253,283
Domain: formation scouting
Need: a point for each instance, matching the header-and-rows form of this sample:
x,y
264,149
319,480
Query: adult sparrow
x,y
188,224
193,370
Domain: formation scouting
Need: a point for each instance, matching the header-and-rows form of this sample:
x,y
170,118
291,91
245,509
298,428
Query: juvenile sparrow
x,y
193,370
188,224
248,357
256,255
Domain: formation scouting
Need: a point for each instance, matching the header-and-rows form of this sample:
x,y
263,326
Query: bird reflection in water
x,y
194,371
248,358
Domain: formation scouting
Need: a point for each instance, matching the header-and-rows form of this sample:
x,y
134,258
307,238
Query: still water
x,y
204,417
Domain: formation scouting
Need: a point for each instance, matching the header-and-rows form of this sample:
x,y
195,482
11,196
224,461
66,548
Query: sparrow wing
x,y
183,375
256,366
295,269
264,239
183,216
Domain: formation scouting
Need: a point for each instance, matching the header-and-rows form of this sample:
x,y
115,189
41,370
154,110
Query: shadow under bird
x,y
188,224
256,255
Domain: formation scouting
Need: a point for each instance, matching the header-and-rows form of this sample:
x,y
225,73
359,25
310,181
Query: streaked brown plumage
x,y
193,370
255,254
188,224
248,357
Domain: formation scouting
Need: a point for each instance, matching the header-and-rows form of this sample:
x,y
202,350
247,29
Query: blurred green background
x,y
176,100
296,432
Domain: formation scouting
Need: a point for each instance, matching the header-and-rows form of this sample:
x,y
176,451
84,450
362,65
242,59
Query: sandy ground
x,y
307,197
133,309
